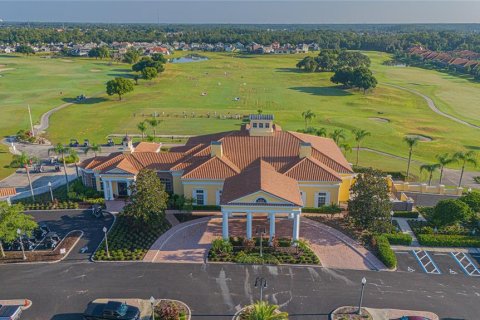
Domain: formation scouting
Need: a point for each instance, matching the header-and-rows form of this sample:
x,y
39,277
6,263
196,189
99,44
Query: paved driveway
x,y
189,242
64,221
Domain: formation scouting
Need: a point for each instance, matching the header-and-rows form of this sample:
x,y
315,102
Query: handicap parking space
x,y
446,263
64,221
406,262
467,263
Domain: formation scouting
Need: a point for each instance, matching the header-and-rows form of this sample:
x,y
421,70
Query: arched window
x,y
261,200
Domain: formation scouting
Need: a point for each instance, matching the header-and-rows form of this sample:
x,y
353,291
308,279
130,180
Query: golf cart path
x,y
45,118
433,107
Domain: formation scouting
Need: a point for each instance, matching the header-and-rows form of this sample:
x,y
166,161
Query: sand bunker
x,y
422,138
383,120
95,70
6,69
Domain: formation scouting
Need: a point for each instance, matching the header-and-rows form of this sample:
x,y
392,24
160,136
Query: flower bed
x,y
51,205
167,309
249,252
126,244
350,313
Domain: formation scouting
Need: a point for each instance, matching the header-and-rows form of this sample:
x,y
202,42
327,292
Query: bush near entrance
x,y
240,250
399,238
323,209
383,251
447,240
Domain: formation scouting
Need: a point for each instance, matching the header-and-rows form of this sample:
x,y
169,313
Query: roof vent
x,y
305,149
216,149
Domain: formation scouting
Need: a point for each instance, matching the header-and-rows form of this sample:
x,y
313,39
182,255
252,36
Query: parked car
x,y
414,318
97,211
51,240
10,312
39,233
27,245
112,310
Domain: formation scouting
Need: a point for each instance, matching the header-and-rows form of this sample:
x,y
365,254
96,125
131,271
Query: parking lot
x,y
431,262
64,221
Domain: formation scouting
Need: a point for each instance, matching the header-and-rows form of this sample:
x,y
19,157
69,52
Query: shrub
x,y
222,246
406,214
323,209
449,212
445,240
399,238
206,208
168,311
472,199
384,251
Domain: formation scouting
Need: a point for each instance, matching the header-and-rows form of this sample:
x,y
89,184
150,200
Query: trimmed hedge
x,y
406,214
384,251
399,238
323,209
50,205
206,208
445,240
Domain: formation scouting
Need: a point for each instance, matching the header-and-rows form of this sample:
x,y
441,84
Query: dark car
x,y
414,318
10,312
112,310
40,233
51,240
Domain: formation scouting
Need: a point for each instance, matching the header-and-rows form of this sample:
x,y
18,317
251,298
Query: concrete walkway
x,y
405,227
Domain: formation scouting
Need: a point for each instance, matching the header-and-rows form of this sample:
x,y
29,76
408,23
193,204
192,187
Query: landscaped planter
x,y
350,313
183,308
238,315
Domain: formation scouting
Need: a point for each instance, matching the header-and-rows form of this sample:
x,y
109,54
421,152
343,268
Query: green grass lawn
x,y
44,83
269,82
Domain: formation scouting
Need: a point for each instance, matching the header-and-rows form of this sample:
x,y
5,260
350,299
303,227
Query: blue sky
x,y
246,11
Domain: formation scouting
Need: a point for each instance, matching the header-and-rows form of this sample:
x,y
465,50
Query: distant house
x,y
161,50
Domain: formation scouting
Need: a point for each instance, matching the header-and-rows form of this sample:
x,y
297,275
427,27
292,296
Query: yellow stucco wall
x,y
211,189
344,193
310,189
254,196
177,185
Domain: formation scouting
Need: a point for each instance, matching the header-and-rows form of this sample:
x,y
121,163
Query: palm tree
x,y
443,160
359,135
94,147
322,132
430,168
465,158
24,160
62,151
411,142
345,147
308,116
337,135
142,127
262,310
154,123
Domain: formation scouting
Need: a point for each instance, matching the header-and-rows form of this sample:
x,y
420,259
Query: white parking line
x,y
466,264
426,262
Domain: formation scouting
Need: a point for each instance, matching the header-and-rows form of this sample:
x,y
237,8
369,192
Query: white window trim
x,y
256,200
327,198
218,196
205,197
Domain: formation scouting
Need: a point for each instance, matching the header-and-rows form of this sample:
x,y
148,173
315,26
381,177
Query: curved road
x,y
433,107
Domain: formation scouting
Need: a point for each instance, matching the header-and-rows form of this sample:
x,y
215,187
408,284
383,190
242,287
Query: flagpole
x,y
31,122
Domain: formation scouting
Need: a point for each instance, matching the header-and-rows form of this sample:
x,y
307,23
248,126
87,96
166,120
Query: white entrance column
x,y
105,191
225,225
296,225
110,186
249,225
272,225
129,192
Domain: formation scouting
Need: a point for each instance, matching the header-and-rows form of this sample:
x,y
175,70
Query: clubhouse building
x,y
257,171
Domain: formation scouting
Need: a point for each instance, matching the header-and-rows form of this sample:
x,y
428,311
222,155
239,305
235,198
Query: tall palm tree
x,y
430,168
142,127
72,153
337,135
345,147
94,148
411,142
443,160
465,158
262,310
154,123
24,160
62,151
359,135
308,116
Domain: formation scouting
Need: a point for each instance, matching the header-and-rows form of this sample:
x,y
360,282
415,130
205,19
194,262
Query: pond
x,y
188,58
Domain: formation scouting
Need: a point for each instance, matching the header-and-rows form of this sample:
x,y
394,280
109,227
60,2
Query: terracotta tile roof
x,y
214,168
147,147
261,176
7,192
310,169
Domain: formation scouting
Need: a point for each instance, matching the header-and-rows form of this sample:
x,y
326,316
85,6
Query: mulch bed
x,y
342,224
350,313
43,255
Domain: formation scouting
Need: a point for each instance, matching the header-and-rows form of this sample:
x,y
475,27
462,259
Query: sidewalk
x,y
405,227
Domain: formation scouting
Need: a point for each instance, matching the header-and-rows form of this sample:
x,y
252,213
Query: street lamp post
x,y
262,283
364,282
152,303
19,232
391,217
106,241
50,188
261,231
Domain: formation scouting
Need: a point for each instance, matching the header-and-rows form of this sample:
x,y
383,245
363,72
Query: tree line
x,y
379,38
